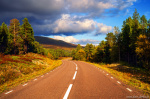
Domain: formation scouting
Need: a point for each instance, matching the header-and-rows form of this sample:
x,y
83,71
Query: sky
x,y
73,21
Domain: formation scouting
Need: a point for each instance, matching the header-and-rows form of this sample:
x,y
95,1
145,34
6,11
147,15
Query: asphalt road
x,y
73,80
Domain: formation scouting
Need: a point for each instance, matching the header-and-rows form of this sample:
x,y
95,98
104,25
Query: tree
x,y
110,39
107,57
73,53
80,55
4,38
143,22
126,42
78,47
28,35
89,48
14,29
143,50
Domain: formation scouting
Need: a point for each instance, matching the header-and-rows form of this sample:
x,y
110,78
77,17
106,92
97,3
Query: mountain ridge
x,y
53,43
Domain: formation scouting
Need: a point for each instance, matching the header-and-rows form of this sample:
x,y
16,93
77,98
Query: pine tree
x,y
107,57
126,42
14,29
28,35
89,48
4,38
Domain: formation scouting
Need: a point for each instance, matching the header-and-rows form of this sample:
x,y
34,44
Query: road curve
x,y
72,80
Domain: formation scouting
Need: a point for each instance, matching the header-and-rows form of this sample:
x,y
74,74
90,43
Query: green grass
x,y
136,77
15,70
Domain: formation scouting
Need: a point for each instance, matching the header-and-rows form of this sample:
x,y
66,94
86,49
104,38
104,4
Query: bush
x,y
8,74
26,70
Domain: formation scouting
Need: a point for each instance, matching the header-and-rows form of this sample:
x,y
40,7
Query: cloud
x,y
71,25
68,17
71,39
102,28
67,24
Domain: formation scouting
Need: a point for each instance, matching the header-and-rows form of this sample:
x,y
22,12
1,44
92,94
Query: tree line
x,y
131,44
16,38
19,39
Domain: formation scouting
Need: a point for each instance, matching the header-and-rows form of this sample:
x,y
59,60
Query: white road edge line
x,y
129,89
74,75
118,82
25,84
35,79
9,92
68,91
112,78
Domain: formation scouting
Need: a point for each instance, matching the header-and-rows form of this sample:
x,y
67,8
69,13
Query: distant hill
x,y
53,43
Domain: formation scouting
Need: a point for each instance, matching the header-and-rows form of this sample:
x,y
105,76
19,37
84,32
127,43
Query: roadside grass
x,y
17,69
136,77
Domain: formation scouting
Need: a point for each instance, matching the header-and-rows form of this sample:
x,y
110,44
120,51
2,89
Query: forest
x,y
130,45
19,39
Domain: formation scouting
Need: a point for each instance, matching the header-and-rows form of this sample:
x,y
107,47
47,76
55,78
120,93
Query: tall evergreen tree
x,y
28,35
107,57
126,43
14,29
4,38
89,48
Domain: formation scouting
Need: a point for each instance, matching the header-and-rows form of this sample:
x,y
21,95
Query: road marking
x,y
25,84
74,75
129,89
42,76
9,92
35,79
75,63
112,78
118,82
68,91
107,74
76,68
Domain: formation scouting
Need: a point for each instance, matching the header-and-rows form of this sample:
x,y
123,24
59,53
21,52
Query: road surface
x,y
72,80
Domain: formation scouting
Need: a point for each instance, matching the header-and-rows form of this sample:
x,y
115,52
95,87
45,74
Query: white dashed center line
x,y
9,92
68,91
76,68
107,74
74,75
129,89
112,77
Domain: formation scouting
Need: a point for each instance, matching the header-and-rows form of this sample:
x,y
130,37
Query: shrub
x,y
26,70
8,74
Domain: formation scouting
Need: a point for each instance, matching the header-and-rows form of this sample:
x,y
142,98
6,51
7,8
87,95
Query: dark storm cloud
x,y
46,15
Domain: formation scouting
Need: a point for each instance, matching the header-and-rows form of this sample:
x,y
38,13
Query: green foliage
x,y
80,55
18,39
4,34
131,45
143,50
27,35
89,50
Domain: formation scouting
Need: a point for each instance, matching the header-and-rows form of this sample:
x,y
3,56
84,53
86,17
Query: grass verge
x,y
17,69
135,77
